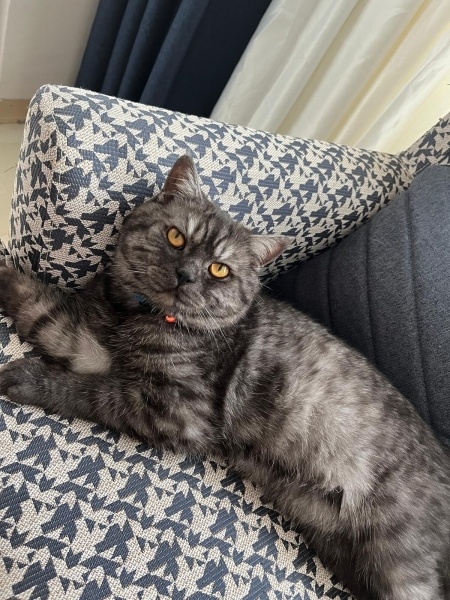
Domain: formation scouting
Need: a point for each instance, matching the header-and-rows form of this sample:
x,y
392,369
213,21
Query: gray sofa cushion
x,y
386,291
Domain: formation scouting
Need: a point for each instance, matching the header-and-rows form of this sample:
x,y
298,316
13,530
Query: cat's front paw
x,y
11,287
20,379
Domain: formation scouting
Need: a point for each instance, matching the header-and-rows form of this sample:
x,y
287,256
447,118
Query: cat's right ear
x,y
267,248
183,179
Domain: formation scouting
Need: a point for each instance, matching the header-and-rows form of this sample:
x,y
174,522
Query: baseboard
x,y
13,111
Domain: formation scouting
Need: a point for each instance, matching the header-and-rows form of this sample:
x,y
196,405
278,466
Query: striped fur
x,y
338,450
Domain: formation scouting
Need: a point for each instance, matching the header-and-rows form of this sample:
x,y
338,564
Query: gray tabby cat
x,y
175,344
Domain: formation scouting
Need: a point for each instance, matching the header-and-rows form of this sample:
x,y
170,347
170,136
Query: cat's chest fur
x,y
175,372
145,342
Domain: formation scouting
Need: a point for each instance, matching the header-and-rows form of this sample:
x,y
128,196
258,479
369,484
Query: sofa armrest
x,y
87,159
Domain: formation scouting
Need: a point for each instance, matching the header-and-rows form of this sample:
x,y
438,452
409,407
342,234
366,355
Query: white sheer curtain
x,y
367,73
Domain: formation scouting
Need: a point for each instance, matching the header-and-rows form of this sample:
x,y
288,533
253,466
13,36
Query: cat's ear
x,y
268,247
183,179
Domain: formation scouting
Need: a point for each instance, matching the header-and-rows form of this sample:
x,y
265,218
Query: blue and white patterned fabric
x,y
86,514
87,159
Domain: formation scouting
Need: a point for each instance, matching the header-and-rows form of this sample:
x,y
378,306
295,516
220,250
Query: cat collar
x,y
144,302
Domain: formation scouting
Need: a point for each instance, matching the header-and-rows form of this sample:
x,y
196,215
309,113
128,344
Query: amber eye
x,y
176,238
219,270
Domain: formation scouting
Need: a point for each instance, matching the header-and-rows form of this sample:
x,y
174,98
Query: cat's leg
x,y
445,570
61,326
429,589
103,399
393,577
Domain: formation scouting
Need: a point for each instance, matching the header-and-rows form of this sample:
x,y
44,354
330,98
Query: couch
x,y
86,513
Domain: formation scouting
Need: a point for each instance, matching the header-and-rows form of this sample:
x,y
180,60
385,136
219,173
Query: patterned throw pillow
x,y
87,159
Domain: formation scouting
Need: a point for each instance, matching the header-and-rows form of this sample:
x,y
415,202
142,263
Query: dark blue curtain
x,y
176,54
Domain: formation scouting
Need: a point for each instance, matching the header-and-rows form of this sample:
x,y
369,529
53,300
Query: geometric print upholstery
x,y
87,159
88,514
431,149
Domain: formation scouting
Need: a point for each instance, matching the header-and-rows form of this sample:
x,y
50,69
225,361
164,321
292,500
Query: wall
x,y
41,41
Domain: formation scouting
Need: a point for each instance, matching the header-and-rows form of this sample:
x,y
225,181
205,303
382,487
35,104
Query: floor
x,y
10,140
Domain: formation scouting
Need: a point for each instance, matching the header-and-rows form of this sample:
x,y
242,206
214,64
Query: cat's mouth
x,y
175,301
182,309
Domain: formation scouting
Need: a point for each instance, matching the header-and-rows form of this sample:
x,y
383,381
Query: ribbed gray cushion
x,y
386,290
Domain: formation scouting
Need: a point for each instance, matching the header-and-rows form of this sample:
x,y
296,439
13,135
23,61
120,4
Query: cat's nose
x,y
184,276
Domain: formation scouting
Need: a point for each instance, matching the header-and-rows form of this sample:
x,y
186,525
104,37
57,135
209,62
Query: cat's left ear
x,y
183,179
268,247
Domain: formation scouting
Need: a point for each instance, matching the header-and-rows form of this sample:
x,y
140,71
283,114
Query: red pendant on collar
x,y
169,319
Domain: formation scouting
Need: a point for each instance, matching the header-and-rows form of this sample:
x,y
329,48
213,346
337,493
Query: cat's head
x,y
188,257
